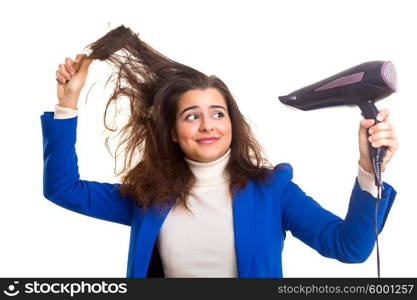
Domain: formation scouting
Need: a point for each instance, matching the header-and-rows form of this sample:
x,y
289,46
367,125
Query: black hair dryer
x,y
361,85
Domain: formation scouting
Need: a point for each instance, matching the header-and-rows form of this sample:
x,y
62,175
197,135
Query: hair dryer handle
x,y
370,111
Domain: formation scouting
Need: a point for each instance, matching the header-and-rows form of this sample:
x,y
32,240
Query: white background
x,y
261,49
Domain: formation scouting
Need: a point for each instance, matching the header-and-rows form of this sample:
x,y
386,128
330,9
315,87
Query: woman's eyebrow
x,y
196,106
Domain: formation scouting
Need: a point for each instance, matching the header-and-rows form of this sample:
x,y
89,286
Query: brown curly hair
x,y
154,169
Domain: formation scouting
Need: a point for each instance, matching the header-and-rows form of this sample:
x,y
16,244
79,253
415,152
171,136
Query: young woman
x,y
200,198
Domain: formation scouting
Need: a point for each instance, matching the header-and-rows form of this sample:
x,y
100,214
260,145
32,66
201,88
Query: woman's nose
x,y
206,124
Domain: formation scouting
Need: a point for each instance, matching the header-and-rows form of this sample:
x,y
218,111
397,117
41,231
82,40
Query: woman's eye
x,y
220,114
192,115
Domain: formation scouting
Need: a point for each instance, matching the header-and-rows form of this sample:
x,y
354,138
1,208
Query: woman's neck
x,y
210,173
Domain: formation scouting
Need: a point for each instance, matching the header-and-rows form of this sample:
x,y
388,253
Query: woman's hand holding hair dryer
x,y
381,134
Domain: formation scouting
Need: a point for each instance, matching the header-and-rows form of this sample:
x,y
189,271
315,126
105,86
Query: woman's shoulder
x,y
277,179
283,171
279,175
275,175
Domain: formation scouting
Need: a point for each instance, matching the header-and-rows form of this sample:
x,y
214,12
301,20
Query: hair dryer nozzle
x,y
287,99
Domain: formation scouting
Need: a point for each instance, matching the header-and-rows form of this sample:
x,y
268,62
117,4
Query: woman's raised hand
x,y
71,78
381,134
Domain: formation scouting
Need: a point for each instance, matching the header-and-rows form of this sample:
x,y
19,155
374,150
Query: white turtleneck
x,y
201,244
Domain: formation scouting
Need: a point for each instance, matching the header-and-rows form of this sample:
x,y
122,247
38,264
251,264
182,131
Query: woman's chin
x,y
208,156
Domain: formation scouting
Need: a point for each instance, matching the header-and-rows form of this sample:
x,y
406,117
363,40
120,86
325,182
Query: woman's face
x,y
202,114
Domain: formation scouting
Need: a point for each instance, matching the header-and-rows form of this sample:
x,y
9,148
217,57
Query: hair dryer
x,y
361,85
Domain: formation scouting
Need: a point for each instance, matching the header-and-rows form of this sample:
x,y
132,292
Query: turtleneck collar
x,y
210,173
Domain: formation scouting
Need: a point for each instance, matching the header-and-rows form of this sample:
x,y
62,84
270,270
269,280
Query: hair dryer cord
x,y
377,172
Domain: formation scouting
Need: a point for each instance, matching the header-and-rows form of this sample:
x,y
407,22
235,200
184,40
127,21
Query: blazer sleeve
x,y
61,179
350,240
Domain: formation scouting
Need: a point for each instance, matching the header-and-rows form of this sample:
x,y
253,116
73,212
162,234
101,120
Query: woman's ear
x,y
174,135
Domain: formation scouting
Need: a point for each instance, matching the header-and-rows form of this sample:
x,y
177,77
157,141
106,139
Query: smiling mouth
x,y
207,141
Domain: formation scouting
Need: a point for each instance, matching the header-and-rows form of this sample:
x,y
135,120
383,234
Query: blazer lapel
x,y
243,222
148,232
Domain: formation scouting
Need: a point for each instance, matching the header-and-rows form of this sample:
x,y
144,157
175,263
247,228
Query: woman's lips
x,y
207,141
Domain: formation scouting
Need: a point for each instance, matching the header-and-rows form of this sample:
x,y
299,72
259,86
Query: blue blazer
x,y
262,212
